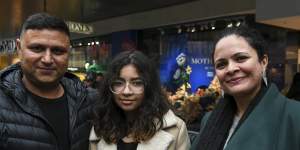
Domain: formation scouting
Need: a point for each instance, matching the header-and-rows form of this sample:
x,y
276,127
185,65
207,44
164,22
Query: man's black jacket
x,y
22,124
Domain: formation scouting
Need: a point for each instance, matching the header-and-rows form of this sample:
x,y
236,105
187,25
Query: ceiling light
x,y
230,25
193,29
179,30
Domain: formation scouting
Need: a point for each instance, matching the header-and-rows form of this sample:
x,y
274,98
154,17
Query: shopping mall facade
x,y
166,32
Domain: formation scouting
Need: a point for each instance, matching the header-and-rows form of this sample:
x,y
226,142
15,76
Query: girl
x,y
132,112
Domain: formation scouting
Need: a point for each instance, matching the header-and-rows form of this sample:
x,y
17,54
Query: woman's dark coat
x,y
274,124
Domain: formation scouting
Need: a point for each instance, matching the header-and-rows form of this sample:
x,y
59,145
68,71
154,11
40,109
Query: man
x,y
42,107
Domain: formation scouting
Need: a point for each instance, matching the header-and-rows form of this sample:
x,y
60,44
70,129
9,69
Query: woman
x,y
253,115
132,112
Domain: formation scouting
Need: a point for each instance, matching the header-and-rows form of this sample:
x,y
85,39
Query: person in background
x,y
200,91
93,79
94,75
89,80
99,78
294,91
132,112
253,114
43,107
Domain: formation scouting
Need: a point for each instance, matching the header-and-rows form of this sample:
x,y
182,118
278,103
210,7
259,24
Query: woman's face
x,y
237,66
129,89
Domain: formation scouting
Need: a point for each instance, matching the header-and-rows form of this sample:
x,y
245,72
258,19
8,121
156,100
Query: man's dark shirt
x,y
57,113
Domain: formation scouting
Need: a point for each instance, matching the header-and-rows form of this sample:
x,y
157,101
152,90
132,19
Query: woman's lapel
x,y
259,130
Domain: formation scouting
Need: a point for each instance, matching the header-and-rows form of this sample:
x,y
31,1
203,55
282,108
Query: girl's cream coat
x,y
173,136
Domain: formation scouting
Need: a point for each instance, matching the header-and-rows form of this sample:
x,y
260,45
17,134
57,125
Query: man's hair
x,y
41,21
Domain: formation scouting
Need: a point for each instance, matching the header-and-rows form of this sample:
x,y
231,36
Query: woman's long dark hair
x,y
110,122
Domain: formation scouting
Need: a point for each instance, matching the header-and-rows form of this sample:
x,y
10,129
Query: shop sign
x,y
7,46
80,27
201,61
298,56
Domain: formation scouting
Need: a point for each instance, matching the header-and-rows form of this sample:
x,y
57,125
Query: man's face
x,y
44,55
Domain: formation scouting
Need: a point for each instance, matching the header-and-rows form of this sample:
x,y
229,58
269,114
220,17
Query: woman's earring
x,y
264,76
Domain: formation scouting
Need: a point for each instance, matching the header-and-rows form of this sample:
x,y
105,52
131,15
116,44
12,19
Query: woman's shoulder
x,y
290,114
292,108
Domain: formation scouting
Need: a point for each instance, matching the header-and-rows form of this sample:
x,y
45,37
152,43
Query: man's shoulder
x,y
92,91
70,77
8,106
75,87
93,95
3,97
72,83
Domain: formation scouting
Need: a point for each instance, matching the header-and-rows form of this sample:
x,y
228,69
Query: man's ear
x,y
265,61
18,45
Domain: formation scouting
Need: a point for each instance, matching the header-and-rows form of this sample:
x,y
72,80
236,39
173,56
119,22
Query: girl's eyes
x,y
137,83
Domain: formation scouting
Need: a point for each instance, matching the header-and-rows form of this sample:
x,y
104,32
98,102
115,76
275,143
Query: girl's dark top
x,y
121,145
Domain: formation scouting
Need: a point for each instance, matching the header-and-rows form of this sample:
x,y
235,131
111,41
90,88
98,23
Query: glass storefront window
x,y
8,59
284,44
81,56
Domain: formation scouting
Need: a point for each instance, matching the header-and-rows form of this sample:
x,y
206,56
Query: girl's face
x,y
128,89
237,66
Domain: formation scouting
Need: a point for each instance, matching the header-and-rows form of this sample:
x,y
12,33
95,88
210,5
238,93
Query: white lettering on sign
x,y
7,46
201,61
80,27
